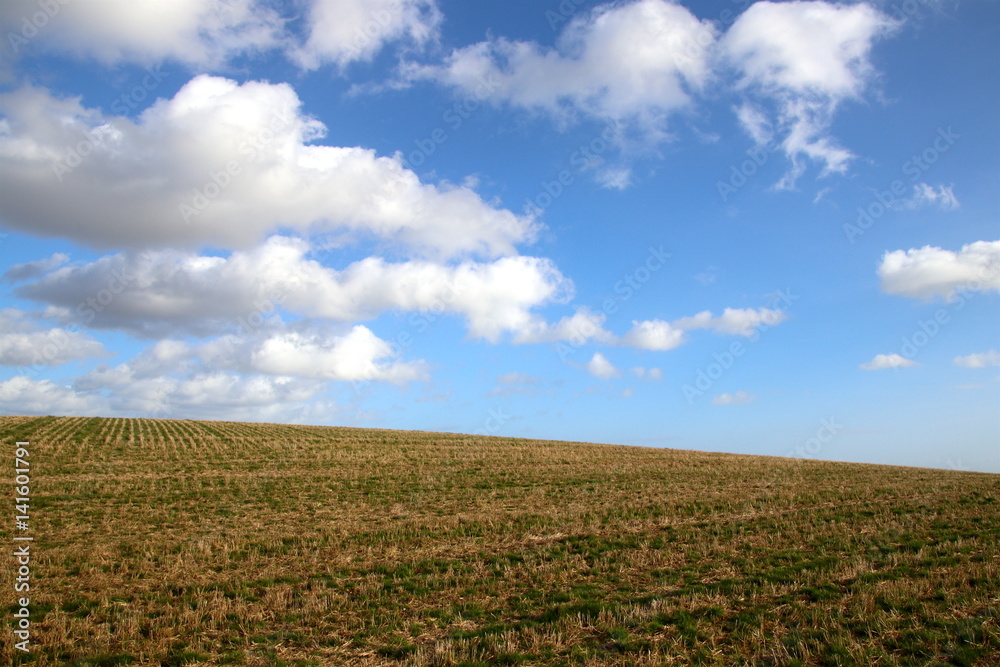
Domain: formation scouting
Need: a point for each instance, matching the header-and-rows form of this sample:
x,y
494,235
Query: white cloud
x,y
23,396
883,361
821,194
208,395
163,358
805,59
203,33
210,33
164,293
814,47
925,195
158,293
930,271
343,31
653,335
640,61
647,373
733,321
357,355
614,178
635,61
584,325
24,344
739,398
979,360
662,335
755,123
600,367
224,164
214,394
296,352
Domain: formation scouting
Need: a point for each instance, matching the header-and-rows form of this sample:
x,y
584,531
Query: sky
x,y
767,228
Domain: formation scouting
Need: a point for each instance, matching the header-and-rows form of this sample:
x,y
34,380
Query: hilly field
x,y
167,542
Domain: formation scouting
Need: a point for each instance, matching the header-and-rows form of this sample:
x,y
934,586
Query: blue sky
x,y
765,228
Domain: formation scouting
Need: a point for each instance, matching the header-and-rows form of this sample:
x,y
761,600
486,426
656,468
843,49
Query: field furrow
x,y
178,542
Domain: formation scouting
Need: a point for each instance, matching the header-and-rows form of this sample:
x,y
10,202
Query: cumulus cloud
x,y
343,31
24,344
224,164
203,33
356,355
802,60
210,394
157,293
638,62
163,358
739,398
929,272
662,335
653,335
23,396
621,61
883,361
293,352
209,34
264,375
979,360
733,321
600,367
584,325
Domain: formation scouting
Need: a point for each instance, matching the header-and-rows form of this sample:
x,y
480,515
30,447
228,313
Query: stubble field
x,y
163,542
